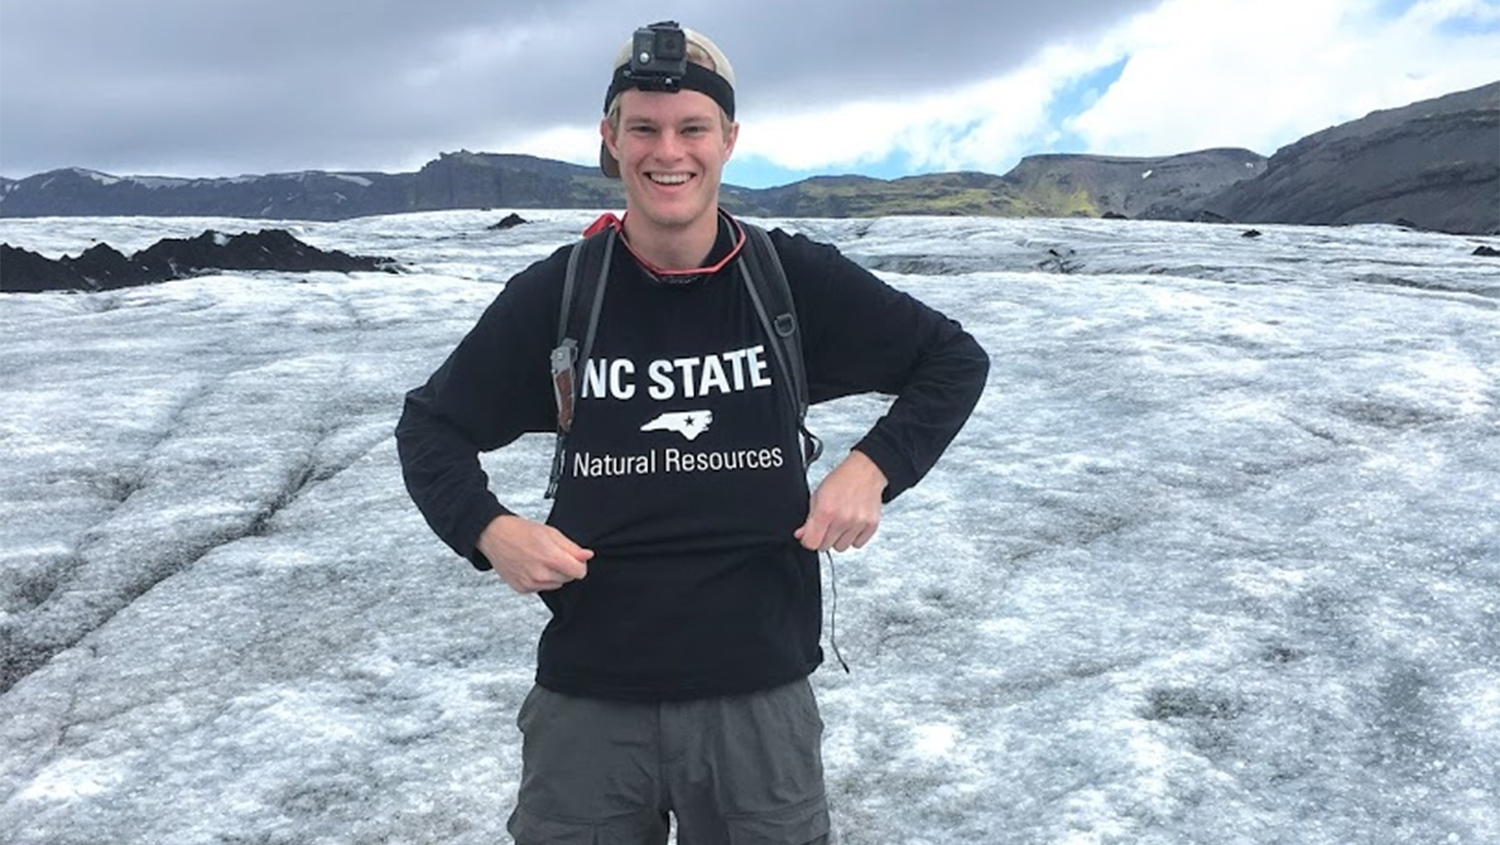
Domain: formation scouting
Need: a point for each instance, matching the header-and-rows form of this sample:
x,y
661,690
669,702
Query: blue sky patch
x,y
1076,97
1468,25
750,171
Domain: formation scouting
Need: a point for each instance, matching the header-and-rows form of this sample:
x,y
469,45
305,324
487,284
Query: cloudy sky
x,y
886,88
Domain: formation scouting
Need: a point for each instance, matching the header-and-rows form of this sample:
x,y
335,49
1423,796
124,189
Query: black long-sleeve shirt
x,y
682,472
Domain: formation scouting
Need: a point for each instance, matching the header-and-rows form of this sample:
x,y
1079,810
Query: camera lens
x,y
671,46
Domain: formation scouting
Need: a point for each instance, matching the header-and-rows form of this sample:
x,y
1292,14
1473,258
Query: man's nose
x,y
670,146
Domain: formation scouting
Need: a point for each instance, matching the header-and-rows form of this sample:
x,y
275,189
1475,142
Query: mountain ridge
x,y
1433,164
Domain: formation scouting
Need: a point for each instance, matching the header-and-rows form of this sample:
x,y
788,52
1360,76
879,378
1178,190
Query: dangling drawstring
x,y
833,619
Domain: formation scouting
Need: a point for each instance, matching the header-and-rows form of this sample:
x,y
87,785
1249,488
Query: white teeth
x,y
669,178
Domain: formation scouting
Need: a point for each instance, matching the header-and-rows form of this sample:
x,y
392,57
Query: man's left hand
x,y
845,509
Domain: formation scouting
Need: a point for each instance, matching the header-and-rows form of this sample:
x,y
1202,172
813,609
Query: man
x,y
680,558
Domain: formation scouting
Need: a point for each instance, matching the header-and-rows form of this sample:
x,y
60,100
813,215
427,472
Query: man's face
x,y
672,148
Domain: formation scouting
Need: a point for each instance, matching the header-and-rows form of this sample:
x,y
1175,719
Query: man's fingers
x,y
572,549
569,569
571,560
812,534
531,556
547,584
551,575
847,539
822,532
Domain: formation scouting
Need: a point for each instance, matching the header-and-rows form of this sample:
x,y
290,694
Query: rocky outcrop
x,y
486,180
509,221
101,267
1432,165
1159,187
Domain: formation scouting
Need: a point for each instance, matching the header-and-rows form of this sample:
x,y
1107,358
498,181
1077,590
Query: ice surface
x,y
1216,560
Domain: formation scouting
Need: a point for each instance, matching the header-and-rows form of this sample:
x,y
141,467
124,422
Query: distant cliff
x,y
289,196
1434,165
1167,187
454,180
1040,186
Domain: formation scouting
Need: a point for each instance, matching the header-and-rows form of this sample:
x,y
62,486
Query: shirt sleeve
x,y
494,387
861,335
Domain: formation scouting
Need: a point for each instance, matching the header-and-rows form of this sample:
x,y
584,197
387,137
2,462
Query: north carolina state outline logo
x,y
689,424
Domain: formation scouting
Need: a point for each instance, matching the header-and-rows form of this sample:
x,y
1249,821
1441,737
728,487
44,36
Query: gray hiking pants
x,y
738,770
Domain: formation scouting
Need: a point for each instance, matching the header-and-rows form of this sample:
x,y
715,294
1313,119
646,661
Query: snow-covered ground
x,y
1217,560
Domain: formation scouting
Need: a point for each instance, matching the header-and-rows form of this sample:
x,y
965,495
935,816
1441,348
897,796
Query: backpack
x,y
583,298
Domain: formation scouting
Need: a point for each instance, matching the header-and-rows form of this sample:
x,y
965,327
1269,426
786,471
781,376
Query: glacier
x,y
1217,558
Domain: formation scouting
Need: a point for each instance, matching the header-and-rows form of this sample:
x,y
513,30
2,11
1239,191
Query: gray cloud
x,y
178,86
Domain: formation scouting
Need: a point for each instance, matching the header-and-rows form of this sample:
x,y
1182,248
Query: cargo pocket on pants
x,y
529,829
804,822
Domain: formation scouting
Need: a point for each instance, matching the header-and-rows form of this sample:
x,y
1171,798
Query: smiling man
x,y
680,558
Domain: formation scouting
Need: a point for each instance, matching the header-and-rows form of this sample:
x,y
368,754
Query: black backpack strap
x,y
583,285
765,279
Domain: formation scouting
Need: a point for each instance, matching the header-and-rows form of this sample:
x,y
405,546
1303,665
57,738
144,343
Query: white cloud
x,y
981,126
1200,73
579,144
1261,73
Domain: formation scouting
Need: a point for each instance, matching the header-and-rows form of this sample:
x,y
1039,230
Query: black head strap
x,y
697,78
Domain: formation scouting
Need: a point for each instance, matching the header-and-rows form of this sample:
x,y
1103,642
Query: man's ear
x,y
609,138
729,142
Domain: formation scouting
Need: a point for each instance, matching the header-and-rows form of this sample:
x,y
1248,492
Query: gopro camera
x,y
659,55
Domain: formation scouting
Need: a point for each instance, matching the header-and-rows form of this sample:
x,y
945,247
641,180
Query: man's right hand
x,y
531,556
